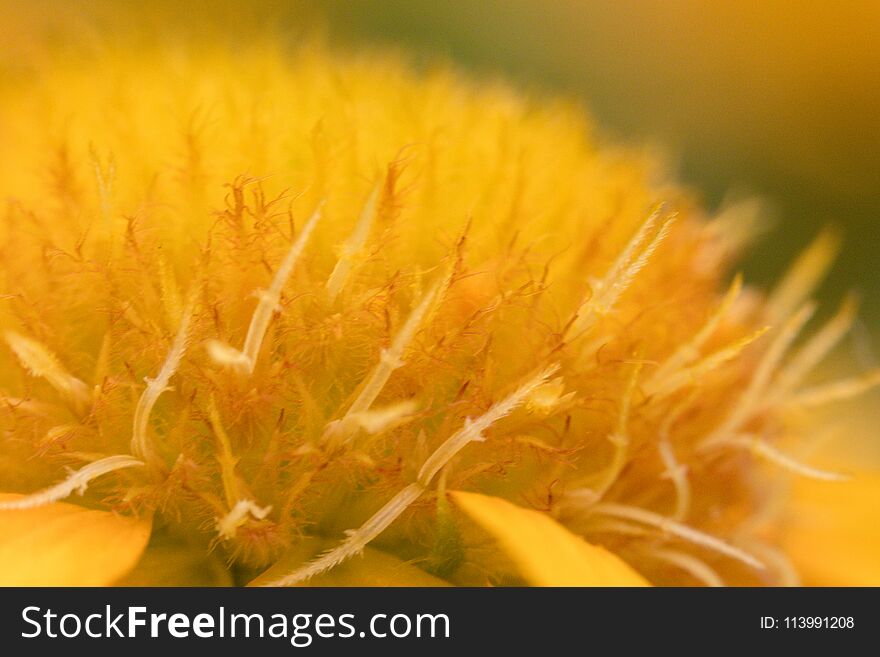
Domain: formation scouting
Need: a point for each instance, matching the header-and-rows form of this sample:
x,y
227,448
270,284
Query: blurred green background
x,y
774,98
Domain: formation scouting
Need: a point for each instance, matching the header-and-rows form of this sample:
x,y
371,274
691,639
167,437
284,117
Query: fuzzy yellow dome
x,y
255,297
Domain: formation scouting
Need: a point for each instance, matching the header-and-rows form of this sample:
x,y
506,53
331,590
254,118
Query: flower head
x,y
267,302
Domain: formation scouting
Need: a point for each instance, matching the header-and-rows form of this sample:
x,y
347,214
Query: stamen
x,y
631,260
776,561
389,360
689,352
170,293
140,443
690,564
548,398
225,457
379,420
77,481
752,398
268,304
15,404
677,474
357,540
765,450
222,354
619,438
352,247
473,429
680,530
104,177
836,391
374,421
815,349
228,525
663,387
619,527
802,277
42,363
737,225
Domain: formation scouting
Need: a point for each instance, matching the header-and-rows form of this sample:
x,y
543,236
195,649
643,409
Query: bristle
x,y
765,450
677,474
105,177
752,397
379,420
267,305
697,568
77,481
676,529
692,374
815,349
42,363
802,277
606,291
353,247
738,224
225,458
171,300
776,561
140,442
835,391
389,360
473,429
228,525
357,540
690,351
619,439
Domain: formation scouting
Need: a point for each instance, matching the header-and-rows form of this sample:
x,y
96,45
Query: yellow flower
x,y
262,304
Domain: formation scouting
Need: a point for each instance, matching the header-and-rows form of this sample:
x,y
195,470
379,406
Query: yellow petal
x,y
546,553
66,545
372,568
833,533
